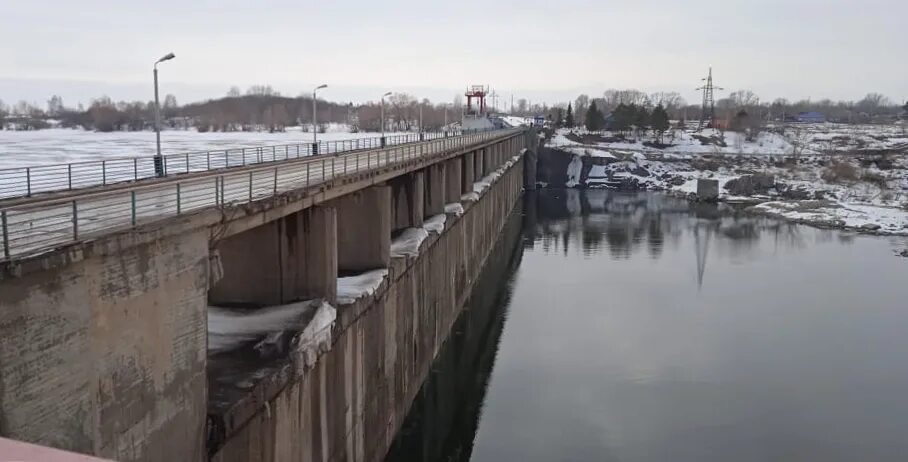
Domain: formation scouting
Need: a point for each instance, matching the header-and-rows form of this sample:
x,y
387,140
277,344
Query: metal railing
x,y
29,180
42,224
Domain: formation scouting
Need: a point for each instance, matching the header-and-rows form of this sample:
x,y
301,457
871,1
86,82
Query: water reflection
x,y
626,224
644,328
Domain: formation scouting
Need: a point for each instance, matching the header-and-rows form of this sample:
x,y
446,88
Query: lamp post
x,y
314,119
383,118
158,159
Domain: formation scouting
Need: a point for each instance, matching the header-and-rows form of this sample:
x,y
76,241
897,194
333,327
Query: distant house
x,y
811,117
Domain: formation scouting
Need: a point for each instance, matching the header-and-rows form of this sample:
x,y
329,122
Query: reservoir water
x,y
640,327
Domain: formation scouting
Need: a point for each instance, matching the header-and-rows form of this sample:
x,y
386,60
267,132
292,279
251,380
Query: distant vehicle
x,y
538,121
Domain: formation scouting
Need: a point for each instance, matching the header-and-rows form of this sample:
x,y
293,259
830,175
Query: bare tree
x,y
55,106
872,103
581,104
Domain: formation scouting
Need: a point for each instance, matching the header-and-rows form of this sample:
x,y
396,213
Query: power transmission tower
x,y
708,108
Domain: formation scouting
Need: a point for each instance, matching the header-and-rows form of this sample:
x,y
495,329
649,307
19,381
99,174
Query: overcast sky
x,y
541,50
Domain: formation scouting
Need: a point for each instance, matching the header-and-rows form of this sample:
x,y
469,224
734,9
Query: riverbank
x,y
861,190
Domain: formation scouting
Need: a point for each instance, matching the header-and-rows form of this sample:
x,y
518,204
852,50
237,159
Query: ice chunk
x,y
408,242
351,288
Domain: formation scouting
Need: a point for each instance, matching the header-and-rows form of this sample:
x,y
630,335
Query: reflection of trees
x,y
624,222
628,222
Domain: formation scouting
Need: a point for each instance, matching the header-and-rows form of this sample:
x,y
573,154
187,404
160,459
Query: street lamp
x,y
314,119
383,117
158,159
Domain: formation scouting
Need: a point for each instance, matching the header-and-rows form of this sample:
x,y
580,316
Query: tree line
x,y
872,108
259,108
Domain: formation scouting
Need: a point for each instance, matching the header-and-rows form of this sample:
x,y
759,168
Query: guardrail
x,y
39,225
27,181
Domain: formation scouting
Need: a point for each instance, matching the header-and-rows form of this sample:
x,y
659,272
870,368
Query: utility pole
x,y
708,107
315,118
158,158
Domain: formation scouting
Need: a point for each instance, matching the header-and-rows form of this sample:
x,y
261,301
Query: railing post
x,y
217,192
28,181
132,195
3,224
307,172
275,182
69,174
244,156
135,169
75,221
208,160
103,173
179,201
187,162
250,186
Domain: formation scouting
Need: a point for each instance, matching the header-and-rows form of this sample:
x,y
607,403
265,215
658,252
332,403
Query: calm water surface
x,y
642,328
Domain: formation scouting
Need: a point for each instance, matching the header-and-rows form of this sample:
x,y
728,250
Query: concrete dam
x,y
287,311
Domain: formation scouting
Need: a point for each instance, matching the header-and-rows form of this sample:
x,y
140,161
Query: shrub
x,y
840,172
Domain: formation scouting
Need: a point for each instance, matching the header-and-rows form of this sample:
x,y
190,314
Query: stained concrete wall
x,y
435,184
107,355
349,405
408,201
364,229
289,259
469,172
453,180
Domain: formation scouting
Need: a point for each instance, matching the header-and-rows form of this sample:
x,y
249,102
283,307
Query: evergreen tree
x,y
659,121
623,118
558,118
905,107
594,119
641,118
569,118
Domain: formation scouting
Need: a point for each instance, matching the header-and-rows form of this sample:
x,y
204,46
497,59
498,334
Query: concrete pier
x,y
293,258
106,355
435,186
469,172
408,196
364,229
453,180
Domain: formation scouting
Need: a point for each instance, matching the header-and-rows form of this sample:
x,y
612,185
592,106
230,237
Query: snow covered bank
x,y
435,224
408,242
454,208
350,288
824,213
229,329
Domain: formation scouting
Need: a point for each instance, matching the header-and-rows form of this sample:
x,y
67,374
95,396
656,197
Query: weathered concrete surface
x,y
435,183
408,201
441,422
107,355
453,180
364,229
102,342
707,190
349,405
529,170
289,259
469,172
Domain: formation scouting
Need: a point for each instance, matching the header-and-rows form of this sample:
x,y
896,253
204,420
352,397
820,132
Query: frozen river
x,y
58,146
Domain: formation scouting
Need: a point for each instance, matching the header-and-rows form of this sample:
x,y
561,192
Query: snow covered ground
x,y
846,184
61,145
776,140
